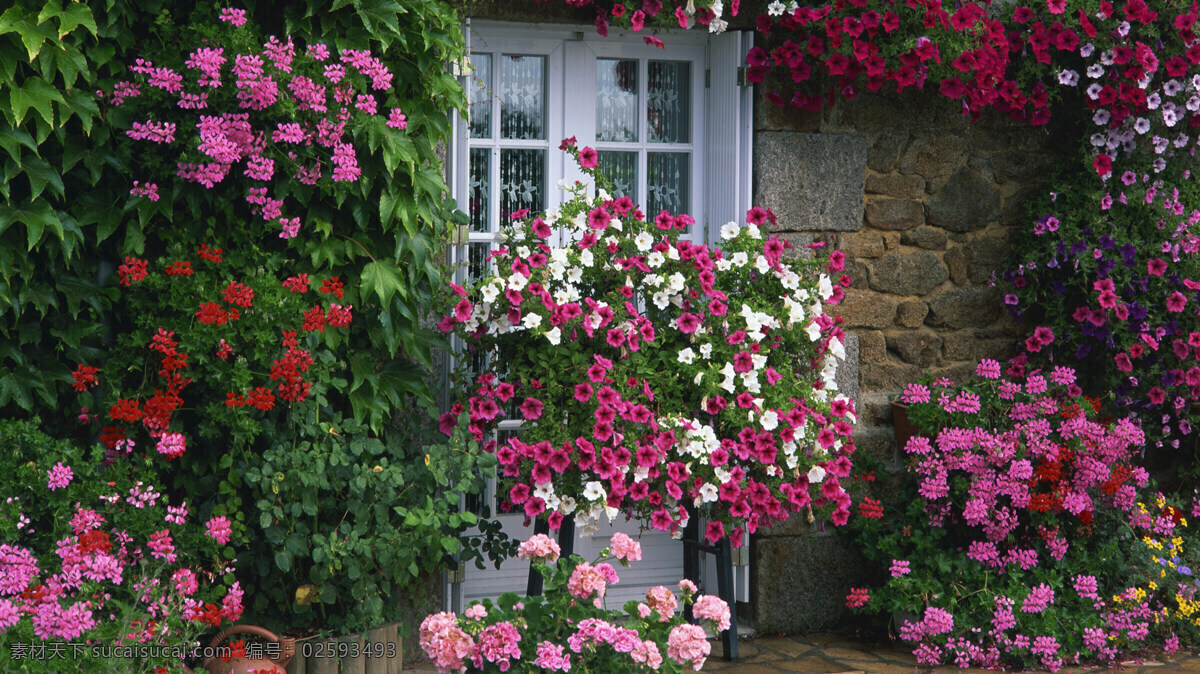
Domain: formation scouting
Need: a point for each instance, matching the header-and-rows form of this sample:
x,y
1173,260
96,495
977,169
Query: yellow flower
x,y
1152,585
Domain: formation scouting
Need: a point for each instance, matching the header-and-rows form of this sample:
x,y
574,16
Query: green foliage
x,y
349,523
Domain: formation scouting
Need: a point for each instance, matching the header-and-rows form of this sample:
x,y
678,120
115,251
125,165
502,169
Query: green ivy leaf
x,y
38,94
16,20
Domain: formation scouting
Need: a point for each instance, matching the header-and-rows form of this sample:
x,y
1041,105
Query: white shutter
x,y
729,127
728,160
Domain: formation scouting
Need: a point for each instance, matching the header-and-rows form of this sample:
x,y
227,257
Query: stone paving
x,y
834,653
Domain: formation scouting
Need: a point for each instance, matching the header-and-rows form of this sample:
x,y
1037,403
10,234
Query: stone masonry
x,y
922,201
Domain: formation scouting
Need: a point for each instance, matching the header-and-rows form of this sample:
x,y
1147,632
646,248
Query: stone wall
x,y
923,202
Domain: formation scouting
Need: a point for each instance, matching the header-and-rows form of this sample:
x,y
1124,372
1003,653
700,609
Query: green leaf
x,y
16,20
38,94
75,15
383,279
283,560
40,174
36,217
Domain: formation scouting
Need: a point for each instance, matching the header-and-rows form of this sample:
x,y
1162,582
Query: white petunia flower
x,y
489,293
730,230
836,348
816,475
739,259
686,356
554,335
706,494
594,491
729,374
825,287
775,8
517,282
769,420
705,351
531,320
643,241
814,331
586,258
762,264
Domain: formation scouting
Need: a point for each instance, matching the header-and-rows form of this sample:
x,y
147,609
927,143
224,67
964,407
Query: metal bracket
x,y
743,76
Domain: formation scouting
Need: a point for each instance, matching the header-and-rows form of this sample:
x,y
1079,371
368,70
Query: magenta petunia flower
x,y
588,157
531,409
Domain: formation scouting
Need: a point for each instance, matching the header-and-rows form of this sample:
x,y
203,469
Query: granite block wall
x,y
923,202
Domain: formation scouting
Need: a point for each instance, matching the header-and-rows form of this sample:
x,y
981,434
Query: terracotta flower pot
x,y
905,428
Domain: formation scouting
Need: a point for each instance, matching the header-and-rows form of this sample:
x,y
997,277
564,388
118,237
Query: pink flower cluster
x,y
688,644
708,607
539,548
262,82
739,431
588,580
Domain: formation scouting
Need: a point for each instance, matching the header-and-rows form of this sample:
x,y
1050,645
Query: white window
x,y
672,128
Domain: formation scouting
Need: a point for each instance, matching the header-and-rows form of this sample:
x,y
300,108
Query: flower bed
x,y
1031,539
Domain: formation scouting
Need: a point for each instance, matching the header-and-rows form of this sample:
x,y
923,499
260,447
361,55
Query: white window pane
x,y
523,97
668,176
616,100
668,94
481,171
481,96
522,181
621,169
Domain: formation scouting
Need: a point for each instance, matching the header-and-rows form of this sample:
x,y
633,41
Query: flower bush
x,y
569,627
98,561
655,376
1108,280
239,388
276,116
1023,542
